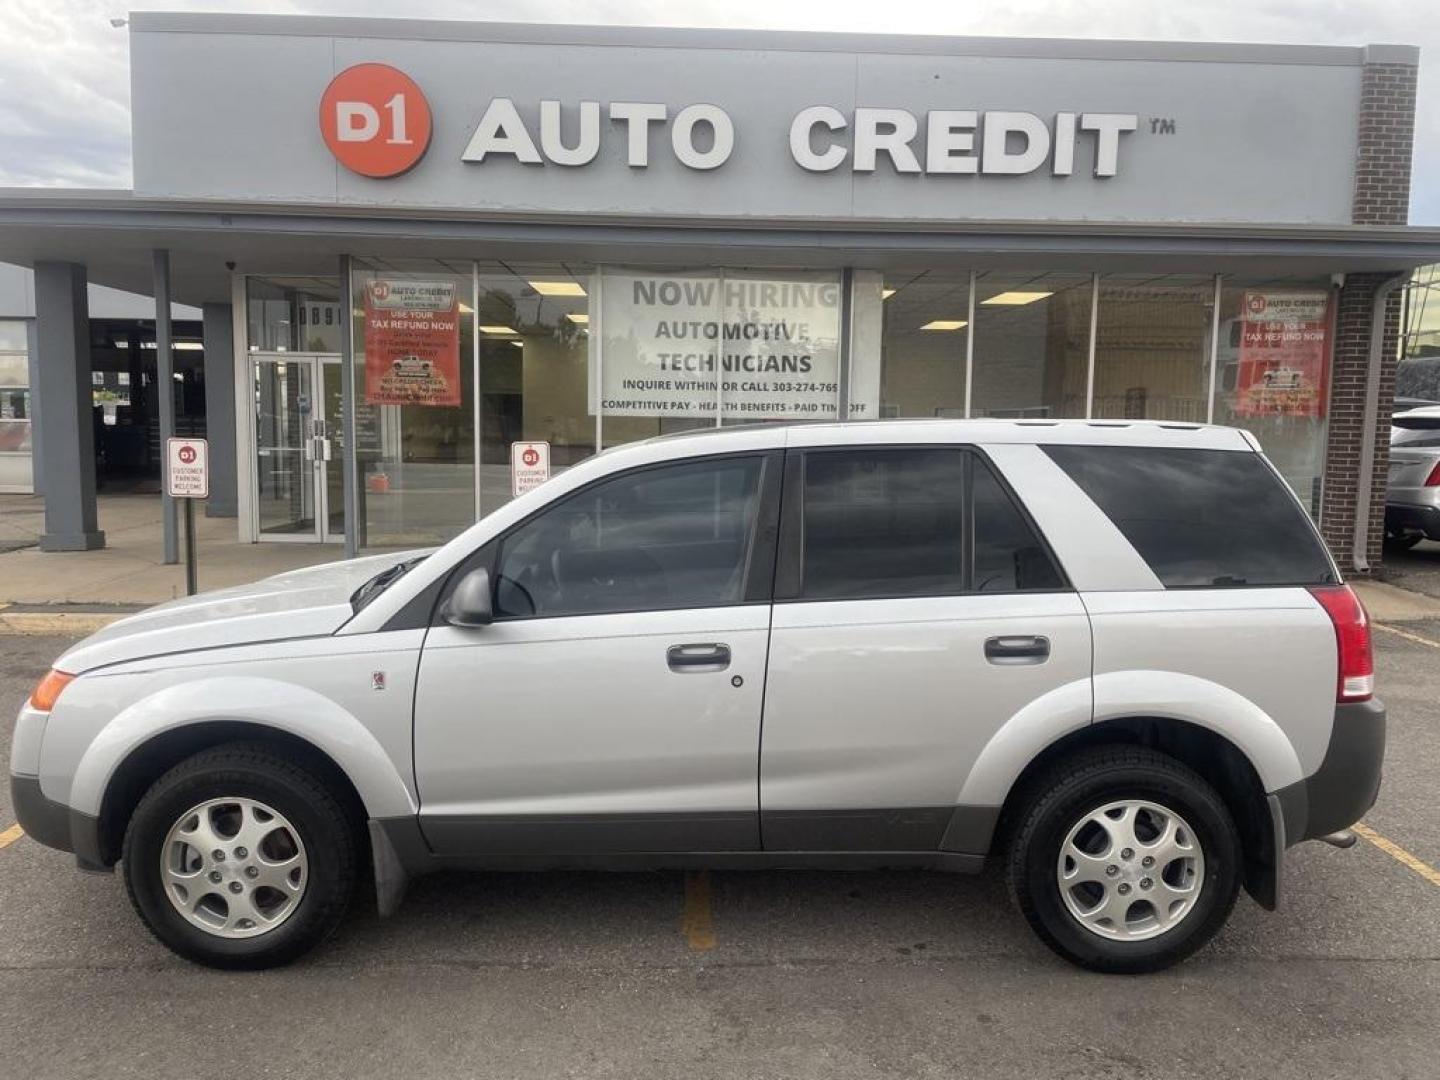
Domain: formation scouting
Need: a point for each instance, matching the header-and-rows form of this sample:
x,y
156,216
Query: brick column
x,y
1382,197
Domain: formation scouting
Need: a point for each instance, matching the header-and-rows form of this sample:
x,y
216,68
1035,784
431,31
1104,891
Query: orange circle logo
x,y
375,120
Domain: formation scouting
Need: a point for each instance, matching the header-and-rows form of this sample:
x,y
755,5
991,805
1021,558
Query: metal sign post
x,y
187,477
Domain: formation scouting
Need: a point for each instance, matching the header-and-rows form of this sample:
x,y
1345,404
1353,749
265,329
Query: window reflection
x,y
1032,343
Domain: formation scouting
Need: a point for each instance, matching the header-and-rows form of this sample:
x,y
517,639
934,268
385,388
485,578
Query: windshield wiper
x,y
381,581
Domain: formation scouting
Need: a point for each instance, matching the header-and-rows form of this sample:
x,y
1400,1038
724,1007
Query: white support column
x,y
1090,361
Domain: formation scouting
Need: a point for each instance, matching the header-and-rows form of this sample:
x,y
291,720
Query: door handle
x,y
707,657
1017,649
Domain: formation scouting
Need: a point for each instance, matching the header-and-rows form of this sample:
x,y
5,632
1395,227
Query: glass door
x,y
297,469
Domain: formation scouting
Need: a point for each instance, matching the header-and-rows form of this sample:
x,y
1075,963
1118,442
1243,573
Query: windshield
x,y
382,581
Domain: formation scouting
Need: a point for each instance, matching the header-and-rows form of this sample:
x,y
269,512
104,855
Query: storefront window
x,y
534,327
293,314
15,432
414,402
922,347
1152,347
1032,344
1273,372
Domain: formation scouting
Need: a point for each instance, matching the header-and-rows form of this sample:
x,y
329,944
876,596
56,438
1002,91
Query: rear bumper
x,y
1403,518
1338,793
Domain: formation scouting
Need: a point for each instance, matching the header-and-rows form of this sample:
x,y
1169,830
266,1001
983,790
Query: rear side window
x,y
1201,518
923,521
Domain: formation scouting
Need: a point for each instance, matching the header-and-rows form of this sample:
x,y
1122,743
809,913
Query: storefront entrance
x,y
298,450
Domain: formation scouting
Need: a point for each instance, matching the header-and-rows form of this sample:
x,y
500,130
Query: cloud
x,y
64,70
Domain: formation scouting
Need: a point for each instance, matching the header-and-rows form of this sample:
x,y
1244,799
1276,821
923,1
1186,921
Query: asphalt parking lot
x,y
763,975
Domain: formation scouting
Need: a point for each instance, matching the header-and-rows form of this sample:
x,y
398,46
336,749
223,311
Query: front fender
x,y
272,703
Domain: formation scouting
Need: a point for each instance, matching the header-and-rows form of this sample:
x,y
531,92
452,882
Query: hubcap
x,y
1130,870
234,867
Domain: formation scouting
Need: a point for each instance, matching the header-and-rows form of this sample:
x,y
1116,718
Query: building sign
x,y
412,343
187,468
748,346
529,466
1284,355
375,120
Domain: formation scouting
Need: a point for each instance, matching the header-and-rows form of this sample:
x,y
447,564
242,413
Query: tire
x,y
1063,813
308,847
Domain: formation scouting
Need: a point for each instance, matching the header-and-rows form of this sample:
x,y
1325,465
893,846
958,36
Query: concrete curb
x,y
1390,603
54,624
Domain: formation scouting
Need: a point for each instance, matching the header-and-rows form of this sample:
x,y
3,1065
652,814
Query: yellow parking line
x,y
1399,854
10,835
698,921
1407,635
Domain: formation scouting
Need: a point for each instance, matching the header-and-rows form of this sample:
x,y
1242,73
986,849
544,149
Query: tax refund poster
x,y
412,343
1284,355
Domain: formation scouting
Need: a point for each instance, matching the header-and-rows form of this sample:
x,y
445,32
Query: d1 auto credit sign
x,y
529,466
187,468
1284,355
751,346
412,343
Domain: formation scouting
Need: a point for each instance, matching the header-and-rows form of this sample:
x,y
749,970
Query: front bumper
x,y
1338,793
43,820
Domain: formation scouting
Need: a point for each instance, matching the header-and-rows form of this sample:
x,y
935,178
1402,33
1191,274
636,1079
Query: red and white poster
x,y
1284,354
412,343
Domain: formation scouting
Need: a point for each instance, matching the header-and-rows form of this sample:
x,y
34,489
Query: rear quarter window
x,y
1201,518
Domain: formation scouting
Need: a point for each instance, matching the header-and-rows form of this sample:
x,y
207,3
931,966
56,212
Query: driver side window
x,y
675,536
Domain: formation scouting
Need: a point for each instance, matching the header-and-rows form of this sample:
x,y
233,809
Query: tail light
x,y
1356,681
1433,479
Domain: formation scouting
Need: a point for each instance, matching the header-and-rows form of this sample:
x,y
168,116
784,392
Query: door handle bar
x,y
1017,649
711,656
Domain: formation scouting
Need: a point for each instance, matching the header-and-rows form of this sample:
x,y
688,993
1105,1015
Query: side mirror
x,y
469,602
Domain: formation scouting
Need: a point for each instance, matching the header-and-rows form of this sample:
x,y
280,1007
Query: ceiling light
x,y
944,324
885,294
466,309
498,330
1016,298
579,317
558,288
518,344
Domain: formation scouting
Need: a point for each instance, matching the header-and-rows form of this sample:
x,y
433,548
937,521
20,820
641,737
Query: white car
x,y
1114,655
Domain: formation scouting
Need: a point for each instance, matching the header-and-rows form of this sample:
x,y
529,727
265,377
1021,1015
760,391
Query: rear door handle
x,y
1017,649
711,656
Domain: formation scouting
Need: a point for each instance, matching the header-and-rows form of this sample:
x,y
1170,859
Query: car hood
x,y
310,602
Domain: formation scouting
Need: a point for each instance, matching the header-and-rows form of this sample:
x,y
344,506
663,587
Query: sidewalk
x,y
128,570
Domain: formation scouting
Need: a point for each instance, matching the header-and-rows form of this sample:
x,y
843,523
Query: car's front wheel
x,y
1125,861
240,858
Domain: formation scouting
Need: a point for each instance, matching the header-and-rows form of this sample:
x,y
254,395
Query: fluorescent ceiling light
x,y
498,330
580,317
558,288
1016,298
518,344
885,294
944,324
465,309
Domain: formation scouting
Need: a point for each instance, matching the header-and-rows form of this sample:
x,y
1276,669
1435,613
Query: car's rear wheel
x,y
240,858
1125,861
1403,541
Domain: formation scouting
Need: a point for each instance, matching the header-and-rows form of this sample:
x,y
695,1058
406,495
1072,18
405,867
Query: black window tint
x,y
671,537
882,523
1201,517
1009,556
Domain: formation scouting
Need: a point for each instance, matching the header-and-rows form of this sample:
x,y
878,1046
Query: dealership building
x,y
415,244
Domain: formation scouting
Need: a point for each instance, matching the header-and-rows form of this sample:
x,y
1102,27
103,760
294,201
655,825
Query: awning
x,y
114,232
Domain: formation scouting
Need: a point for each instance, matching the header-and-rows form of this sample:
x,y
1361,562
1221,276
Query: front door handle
x,y
711,656
1017,649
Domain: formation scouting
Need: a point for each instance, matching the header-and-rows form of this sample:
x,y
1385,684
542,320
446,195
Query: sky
x,y
64,69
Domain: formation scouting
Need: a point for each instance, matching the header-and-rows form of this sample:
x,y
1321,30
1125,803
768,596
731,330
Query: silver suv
x,y
1115,657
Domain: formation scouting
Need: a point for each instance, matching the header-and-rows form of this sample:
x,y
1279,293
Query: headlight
x,y
47,691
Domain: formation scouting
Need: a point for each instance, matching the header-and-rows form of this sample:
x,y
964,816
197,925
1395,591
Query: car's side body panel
x,y
575,720
323,691
1254,665
888,703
